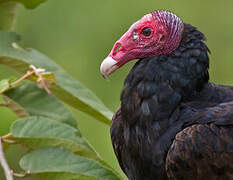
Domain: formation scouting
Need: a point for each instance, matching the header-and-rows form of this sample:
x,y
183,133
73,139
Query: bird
x,y
173,123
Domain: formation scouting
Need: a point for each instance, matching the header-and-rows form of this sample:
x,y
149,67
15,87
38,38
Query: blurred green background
x,y
79,34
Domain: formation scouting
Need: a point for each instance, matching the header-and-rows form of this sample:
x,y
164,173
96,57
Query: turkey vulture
x,y
173,123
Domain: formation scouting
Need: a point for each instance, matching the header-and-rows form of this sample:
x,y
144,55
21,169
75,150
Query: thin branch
x,y
25,76
18,81
19,174
8,141
9,135
41,81
4,164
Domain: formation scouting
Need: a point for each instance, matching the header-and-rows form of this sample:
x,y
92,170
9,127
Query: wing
x,y
204,150
116,136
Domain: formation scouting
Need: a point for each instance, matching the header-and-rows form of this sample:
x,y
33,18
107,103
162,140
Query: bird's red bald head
x,y
154,34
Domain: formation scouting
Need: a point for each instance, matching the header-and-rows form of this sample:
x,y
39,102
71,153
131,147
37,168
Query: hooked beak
x,y
113,61
108,66
120,54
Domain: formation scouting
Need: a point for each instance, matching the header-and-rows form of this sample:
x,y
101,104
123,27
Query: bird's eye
x,y
146,31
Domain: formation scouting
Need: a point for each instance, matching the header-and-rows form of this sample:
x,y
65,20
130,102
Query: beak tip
x,y
108,66
102,71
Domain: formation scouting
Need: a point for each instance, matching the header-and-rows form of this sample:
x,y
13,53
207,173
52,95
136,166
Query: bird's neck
x,y
156,86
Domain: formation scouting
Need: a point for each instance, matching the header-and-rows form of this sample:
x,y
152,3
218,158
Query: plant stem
x,y
8,12
18,81
4,164
9,135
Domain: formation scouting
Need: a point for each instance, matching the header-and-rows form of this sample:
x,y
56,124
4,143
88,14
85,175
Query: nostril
x,y
117,47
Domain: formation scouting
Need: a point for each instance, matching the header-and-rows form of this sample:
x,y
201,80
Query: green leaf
x,y
35,126
30,4
56,160
37,102
67,89
4,84
36,132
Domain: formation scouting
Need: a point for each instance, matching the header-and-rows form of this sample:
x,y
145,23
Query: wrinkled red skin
x,y
135,45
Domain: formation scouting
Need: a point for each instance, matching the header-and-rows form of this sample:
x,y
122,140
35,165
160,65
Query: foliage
x,y
27,3
57,149
66,88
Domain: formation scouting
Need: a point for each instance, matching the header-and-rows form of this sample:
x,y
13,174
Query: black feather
x,y
166,98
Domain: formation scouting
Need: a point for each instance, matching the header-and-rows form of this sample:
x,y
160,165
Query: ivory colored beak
x,y
108,66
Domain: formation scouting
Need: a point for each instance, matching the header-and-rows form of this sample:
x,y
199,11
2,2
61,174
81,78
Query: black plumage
x,y
173,123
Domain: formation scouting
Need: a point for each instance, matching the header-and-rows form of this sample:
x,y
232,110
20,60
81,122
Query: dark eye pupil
x,y
146,31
